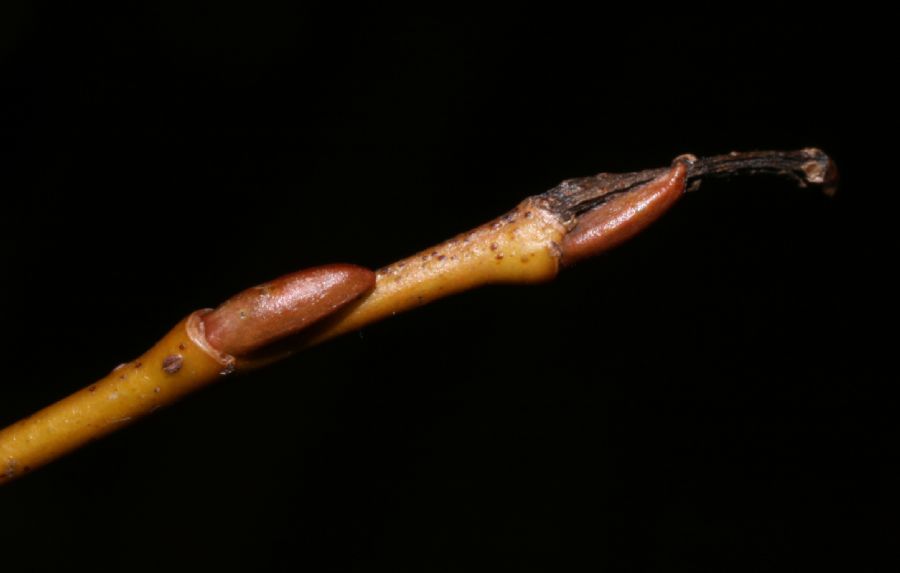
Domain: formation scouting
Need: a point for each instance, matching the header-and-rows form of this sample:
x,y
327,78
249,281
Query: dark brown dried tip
x,y
805,166
265,314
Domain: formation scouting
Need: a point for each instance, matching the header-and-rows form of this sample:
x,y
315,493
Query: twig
x,y
575,220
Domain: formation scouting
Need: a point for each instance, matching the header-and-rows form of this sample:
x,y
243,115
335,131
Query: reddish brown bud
x,y
264,314
623,216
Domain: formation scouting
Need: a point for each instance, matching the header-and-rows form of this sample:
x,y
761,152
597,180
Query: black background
x,y
698,400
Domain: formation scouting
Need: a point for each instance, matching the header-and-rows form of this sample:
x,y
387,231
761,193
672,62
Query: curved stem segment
x,y
805,166
573,221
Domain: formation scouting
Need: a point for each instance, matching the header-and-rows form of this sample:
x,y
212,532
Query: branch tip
x,y
810,166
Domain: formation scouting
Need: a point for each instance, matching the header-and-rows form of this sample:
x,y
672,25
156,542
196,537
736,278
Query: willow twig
x,y
543,234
